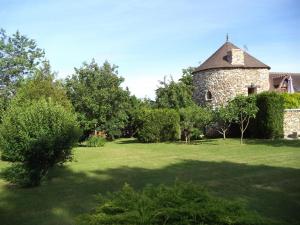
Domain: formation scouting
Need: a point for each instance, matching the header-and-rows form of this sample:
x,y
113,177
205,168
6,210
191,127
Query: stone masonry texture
x,y
291,123
225,84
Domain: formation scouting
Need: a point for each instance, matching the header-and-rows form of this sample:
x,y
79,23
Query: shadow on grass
x,y
272,191
274,143
129,141
199,142
193,142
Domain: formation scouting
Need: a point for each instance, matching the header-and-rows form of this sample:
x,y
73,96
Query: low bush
x,y
158,125
35,137
269,119
291,101
182,204
95,141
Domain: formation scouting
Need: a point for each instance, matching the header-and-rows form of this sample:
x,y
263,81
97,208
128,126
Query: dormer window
x,y
208,96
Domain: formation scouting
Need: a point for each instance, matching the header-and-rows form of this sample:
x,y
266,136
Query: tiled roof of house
x,y
281,74
220,60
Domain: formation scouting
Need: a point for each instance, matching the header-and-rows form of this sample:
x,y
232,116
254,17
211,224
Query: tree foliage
x,y
97,96
224,116
245,108
135,105
19,57
176,95
42,84
35,137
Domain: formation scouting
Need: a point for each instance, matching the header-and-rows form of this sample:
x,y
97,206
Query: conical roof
x,y
220,60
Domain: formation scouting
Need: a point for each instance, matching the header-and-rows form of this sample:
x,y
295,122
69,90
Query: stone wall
x,y
291,123
225,84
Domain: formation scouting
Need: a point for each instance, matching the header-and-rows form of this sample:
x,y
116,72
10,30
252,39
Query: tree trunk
x,y
242,131
242,135
224,135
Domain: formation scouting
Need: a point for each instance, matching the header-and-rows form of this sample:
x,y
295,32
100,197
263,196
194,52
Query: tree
x,y
19,57
193,119
134,107
42,84
187,77
245,108
176,95
35,137
224,116
96,95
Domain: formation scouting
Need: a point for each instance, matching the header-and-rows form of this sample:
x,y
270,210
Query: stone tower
x,y
229,72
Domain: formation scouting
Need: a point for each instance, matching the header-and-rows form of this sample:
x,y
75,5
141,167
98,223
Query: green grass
x,y
265,175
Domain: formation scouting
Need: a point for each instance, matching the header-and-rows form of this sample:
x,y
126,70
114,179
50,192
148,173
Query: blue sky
x,y
152,39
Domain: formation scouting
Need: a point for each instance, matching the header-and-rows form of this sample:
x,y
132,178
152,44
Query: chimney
x,y
236,56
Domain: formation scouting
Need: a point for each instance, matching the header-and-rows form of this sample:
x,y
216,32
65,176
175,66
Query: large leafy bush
x,y
158,125
269,119
193,120
183,204
35,137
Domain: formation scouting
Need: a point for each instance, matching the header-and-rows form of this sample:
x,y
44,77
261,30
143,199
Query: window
x,y
208,96
252,90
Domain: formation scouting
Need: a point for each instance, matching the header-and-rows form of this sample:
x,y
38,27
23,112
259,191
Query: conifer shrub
x,y
181,204
269,119
158,125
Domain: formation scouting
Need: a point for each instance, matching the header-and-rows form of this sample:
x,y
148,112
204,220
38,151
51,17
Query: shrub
x,y
95,141
193,120
158,125
269,119
35,137
181,204
291,101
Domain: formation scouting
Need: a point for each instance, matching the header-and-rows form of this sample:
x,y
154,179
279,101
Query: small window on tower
x,y
252,90
208,96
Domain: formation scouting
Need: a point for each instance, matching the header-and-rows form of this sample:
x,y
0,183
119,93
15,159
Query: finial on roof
x,y
227,37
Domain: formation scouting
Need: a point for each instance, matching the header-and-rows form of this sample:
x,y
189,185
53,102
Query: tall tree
x,y
173,95
176,95
42,84
187,77
99,99
19,57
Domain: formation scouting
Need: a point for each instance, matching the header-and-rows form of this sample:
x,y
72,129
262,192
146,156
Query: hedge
x,y
269,119
157,125
291,101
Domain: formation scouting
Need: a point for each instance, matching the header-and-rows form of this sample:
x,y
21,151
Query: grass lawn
x,y
265,175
